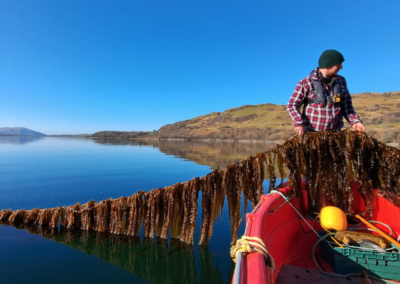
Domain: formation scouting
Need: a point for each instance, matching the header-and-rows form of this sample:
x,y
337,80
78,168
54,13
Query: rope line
x,y
301,216
247,245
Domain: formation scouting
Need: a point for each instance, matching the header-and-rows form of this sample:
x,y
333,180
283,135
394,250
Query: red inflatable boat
x,y
289,240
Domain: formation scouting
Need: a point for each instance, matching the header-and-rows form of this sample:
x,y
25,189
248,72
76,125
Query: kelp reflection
x,y
331,162
153,259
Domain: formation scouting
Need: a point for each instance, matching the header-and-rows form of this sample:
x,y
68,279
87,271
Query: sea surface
x,y
56,171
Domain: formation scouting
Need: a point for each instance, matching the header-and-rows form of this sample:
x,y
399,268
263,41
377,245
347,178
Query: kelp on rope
x,y
330,161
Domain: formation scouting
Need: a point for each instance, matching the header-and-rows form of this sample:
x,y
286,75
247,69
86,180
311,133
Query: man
x,y
325,98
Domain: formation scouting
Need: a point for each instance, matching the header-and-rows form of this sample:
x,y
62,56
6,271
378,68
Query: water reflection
x,y
153,259
133,142
19,139
216,154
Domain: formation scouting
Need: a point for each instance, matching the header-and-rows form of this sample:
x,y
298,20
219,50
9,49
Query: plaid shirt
x,y
316,117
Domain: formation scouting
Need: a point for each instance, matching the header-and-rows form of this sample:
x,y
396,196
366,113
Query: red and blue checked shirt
x,y
315,116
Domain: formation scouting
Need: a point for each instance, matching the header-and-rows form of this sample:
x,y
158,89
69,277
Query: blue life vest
x,y
323,97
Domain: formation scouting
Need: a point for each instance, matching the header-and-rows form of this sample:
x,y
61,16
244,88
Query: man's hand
x,y
358,127
299,129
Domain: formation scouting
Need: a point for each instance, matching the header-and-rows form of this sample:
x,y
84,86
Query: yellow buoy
x,y
333,218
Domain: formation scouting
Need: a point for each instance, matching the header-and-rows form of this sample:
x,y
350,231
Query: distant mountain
x,y
19,131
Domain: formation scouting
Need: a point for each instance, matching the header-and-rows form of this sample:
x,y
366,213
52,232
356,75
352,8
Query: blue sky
x,y
74,67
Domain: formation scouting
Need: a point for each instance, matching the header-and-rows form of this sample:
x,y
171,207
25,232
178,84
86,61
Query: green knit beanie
x,y
329,58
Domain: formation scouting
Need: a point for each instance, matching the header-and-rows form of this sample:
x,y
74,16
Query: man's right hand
x,y
299,130
358,127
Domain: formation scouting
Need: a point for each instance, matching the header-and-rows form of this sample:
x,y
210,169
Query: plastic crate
x,y
350,260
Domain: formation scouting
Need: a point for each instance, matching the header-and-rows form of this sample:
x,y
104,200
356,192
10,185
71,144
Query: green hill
x,y
249,122
380,113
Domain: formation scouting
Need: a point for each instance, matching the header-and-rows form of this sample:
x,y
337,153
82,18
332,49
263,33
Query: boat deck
x,y
304,271
295,274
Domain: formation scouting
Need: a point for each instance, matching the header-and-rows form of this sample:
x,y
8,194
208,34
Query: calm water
x,y
51,172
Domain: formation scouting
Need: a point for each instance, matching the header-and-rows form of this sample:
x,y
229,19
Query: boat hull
x,y
287,237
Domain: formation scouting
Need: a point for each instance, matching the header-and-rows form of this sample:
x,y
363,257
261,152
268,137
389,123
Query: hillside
x,y
19,131
380,113
124,134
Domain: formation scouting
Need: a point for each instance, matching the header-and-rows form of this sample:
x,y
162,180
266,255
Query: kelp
x,y
135,214
190,195
330,162
212,203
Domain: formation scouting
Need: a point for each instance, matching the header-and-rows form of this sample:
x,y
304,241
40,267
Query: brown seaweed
x,y
212,203
17,216
101,216
87,217
118,215
5,214
331,163
43,217
73,217
31,216
190,195
55,217
135,214
232,187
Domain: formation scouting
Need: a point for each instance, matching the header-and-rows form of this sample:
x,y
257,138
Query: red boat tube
x,y
289,239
